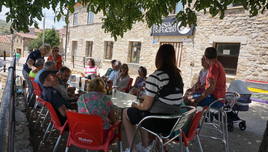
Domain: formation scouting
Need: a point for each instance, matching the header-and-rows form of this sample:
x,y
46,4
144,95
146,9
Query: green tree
x,y
120,15
51,37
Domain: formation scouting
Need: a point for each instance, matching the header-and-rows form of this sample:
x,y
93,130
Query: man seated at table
x,y
48,66
114,74
109,70
49,94
66,92
215,86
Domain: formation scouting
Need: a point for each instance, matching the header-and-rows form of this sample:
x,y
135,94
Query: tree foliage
x,y
51,37
120,15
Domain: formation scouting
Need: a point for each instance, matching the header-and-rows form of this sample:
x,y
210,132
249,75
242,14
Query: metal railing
x,y
7,111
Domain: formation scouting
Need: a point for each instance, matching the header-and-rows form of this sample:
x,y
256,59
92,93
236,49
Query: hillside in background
x,y
4,27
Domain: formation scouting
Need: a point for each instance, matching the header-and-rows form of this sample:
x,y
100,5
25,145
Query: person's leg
x,y
30,97
129,127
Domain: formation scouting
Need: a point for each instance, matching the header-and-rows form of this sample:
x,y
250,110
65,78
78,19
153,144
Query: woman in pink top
x,y
90,70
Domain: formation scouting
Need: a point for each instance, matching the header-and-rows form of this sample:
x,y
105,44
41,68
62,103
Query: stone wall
x,y
5,47
236,27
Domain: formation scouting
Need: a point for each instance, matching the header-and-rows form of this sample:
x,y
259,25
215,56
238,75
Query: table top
x,y
119,99
122,99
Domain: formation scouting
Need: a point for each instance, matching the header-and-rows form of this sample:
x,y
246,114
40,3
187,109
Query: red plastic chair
x,y
86,132
128,86
37,92
37,88
54,123
194,129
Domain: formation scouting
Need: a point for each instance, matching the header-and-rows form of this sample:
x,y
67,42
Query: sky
x,y
49,19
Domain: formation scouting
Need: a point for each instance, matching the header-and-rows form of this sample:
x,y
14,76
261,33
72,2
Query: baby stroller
x,y
242,104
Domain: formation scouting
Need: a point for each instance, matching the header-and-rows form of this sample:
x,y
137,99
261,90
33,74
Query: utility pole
x,y
44,28
66,35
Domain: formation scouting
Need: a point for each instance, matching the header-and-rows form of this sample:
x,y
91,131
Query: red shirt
x,y
57,60
216,72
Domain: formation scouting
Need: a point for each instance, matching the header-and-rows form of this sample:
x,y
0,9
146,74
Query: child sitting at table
x,y
95,102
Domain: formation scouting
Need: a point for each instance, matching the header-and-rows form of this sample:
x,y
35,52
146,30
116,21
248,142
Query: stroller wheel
x,y
230,127
242,125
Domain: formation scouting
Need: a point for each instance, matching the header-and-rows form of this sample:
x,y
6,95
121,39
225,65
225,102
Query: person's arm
x,y
145,105
60,61
30,64
209,90
135,83
62,109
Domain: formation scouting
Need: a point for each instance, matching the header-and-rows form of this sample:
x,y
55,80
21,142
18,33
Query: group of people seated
x,y
162,91
117,76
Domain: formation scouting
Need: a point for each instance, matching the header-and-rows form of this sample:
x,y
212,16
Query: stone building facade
x,y
5,45
22,42
241,41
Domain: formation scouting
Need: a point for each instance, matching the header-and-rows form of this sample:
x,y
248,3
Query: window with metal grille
x,y
228,54
89,46
90,18
75,19
108,49
134,52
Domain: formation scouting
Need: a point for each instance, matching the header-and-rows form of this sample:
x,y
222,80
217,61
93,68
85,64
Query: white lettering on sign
x,y
85,140
170,27
226,52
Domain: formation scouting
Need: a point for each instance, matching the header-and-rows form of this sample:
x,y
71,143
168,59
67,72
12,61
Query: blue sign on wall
x,y
171,28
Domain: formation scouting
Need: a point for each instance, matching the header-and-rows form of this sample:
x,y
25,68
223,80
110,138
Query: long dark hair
x,y
166,61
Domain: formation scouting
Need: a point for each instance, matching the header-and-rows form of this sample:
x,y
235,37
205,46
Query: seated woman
x,y
56,57
199,86
123,78
139,82
90,70
39,64
163,95
95,102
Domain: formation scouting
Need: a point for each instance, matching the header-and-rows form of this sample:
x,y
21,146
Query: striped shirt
x,y
155,82
90,70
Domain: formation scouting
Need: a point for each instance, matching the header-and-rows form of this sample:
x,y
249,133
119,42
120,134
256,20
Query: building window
x,y
74,48
108,49
228,55
90,18
134,52
89,46
178,50
75,19
235,4
178,8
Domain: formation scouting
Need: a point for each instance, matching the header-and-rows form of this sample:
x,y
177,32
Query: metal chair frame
x,y
220,125
164,140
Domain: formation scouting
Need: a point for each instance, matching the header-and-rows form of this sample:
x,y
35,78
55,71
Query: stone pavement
x,y
240,141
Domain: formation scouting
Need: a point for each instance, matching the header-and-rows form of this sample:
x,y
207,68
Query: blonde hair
x,y
97,85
